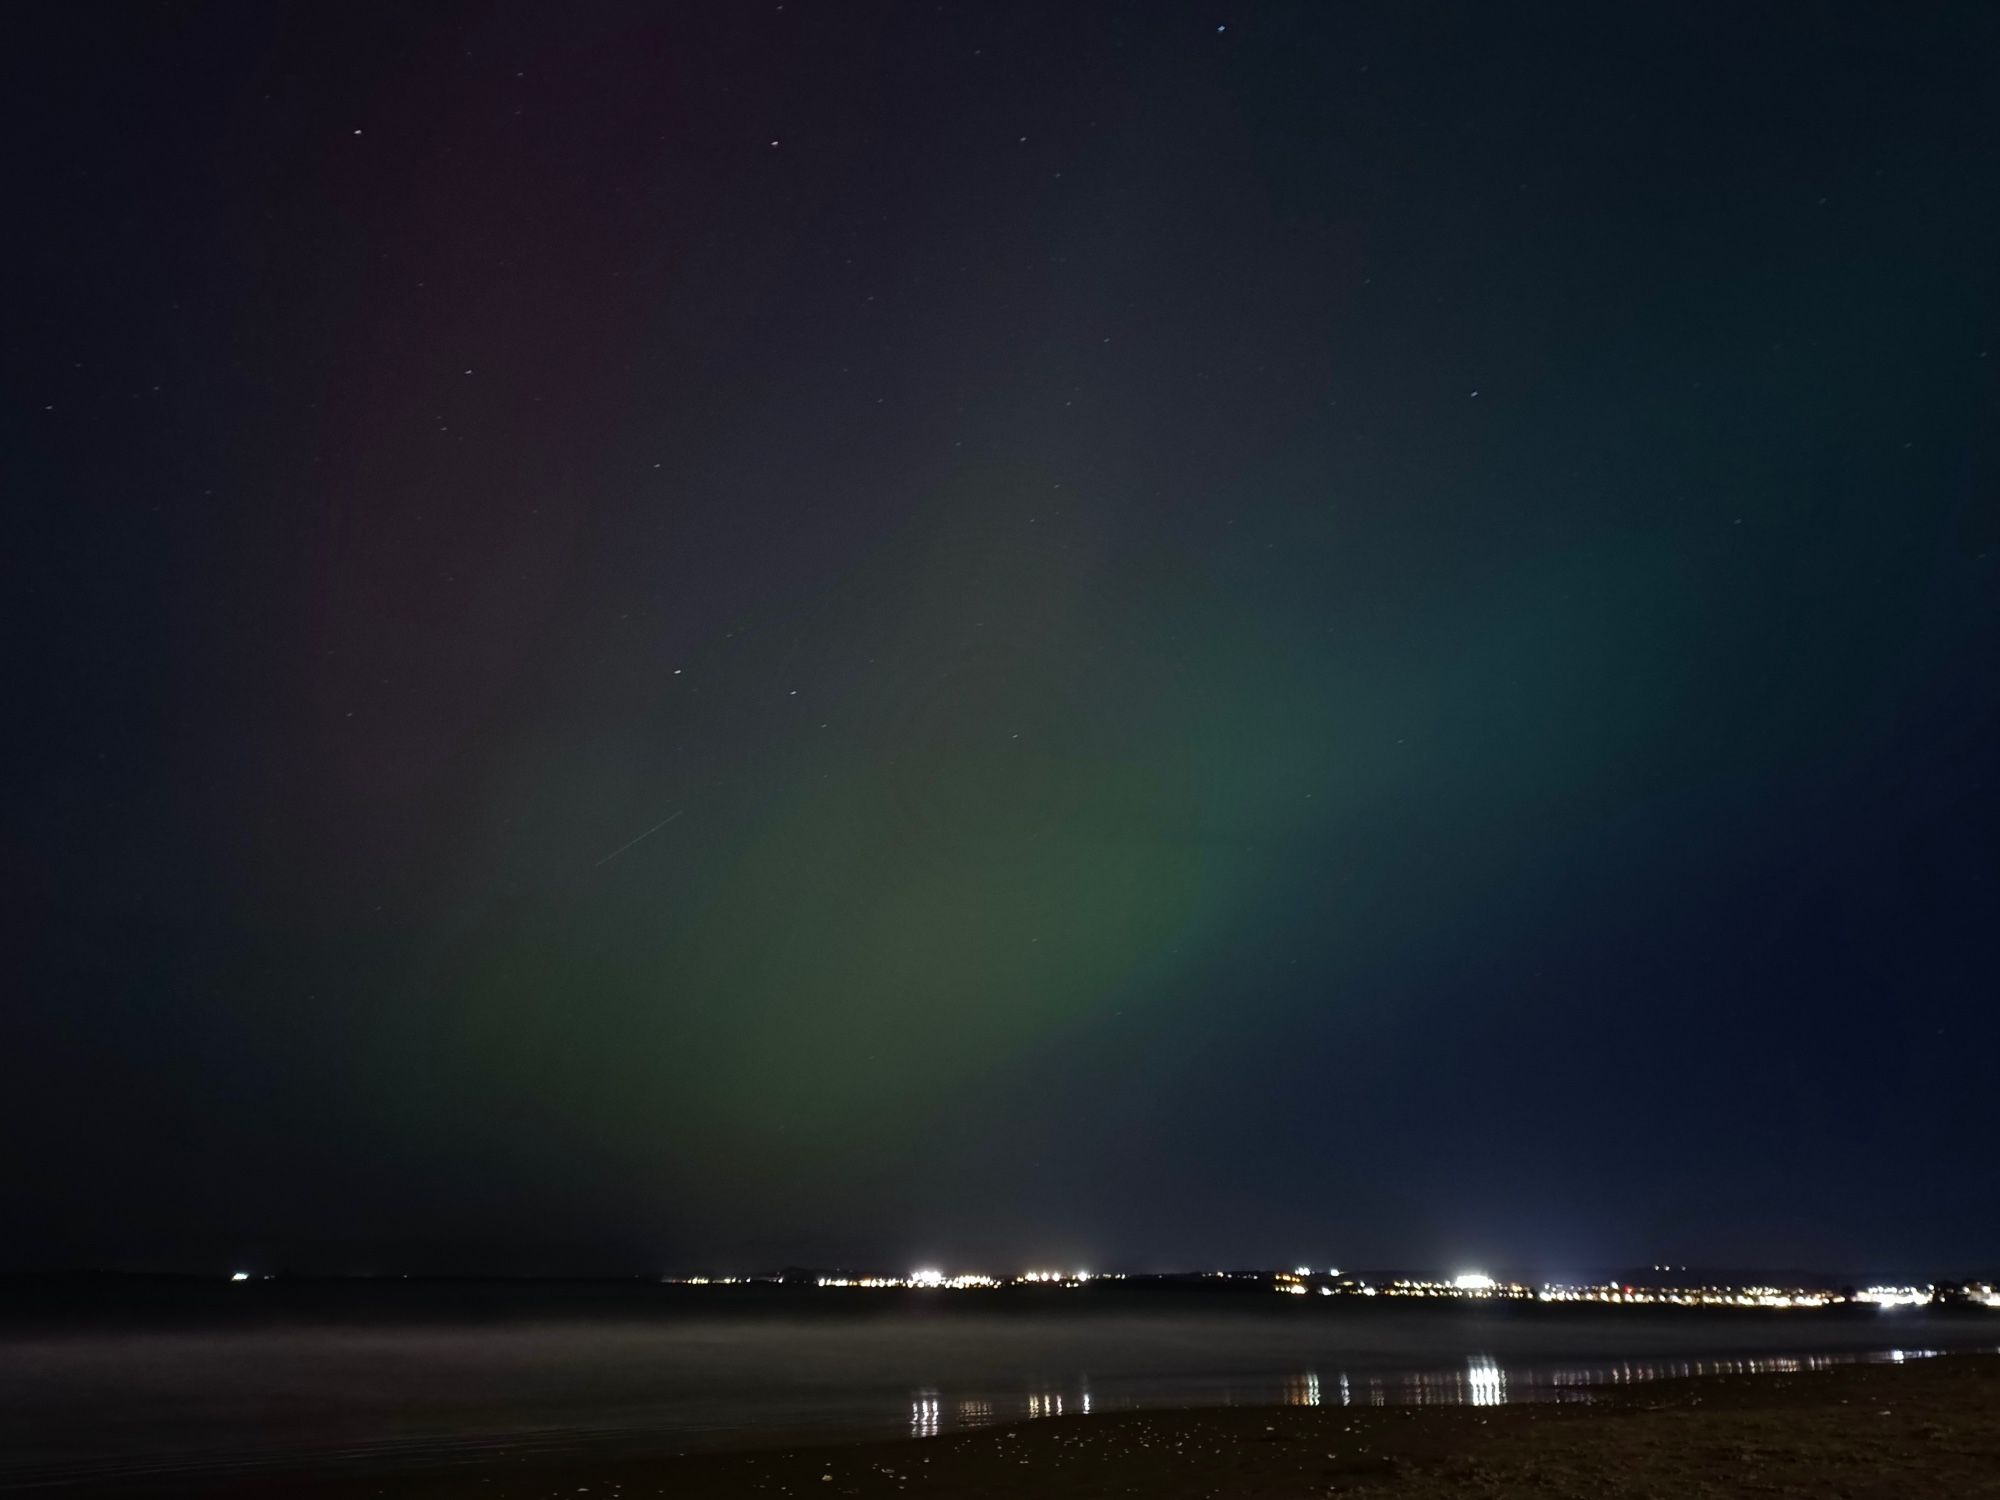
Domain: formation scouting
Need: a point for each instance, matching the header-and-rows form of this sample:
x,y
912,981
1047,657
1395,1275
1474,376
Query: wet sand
x,y
1927,1427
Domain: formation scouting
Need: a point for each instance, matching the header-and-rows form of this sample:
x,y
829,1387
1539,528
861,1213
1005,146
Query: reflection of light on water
x,y
1485,1381
1481,1381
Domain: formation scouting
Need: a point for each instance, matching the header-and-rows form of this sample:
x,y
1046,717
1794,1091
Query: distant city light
x,y
1894,1296
1703,1296
1467,1284
239,1276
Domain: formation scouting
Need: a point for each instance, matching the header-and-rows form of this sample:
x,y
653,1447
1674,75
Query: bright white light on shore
x,y
927,1277
239,1276
1474,1281
1895,1296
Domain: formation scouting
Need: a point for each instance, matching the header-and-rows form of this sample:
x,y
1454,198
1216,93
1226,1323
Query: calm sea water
x,y
124,1385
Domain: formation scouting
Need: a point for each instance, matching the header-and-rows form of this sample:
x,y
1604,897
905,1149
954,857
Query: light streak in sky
x,y
630,842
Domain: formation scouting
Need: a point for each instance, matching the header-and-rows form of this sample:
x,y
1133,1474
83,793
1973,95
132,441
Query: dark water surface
x,y
103,1384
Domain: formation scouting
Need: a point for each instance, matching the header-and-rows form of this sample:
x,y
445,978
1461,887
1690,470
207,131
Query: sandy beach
x,y
1925,1427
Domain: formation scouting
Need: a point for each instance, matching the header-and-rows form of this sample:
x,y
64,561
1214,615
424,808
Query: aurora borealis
x,y
695,634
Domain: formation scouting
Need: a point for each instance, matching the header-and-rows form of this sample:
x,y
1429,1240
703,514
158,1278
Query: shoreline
x,y
1927,1426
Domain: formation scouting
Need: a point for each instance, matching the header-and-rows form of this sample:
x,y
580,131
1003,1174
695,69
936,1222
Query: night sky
x,y
669,635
